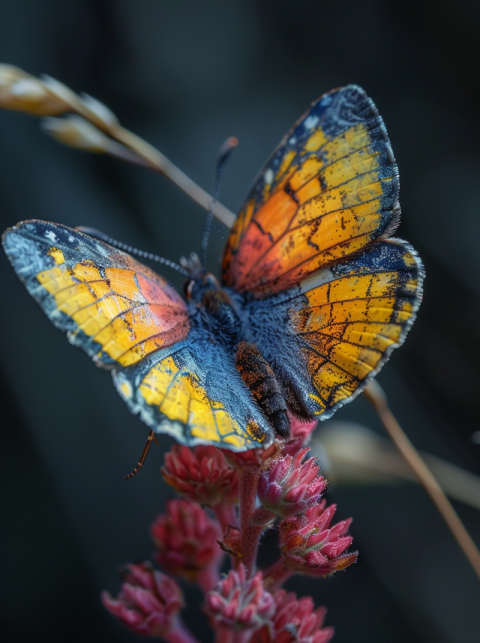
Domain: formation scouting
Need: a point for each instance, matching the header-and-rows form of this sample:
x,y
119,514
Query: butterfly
x,y
315,292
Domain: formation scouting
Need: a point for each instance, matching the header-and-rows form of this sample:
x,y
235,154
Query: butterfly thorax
x,y
217,309
214,306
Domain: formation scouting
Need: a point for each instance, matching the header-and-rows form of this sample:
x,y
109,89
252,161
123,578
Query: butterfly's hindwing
x,y
334,331
193,392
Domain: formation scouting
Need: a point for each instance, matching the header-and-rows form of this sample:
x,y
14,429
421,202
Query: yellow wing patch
x,y
354,317
175,394
109,307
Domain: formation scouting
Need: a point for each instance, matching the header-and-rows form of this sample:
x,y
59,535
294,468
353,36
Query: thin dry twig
x,y
157,161
149,156
356,455
376,396
85,123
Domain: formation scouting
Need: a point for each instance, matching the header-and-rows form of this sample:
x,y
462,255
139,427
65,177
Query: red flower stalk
x,y
295,621
290,486
240,605
186,541
311,547
201,474
148,603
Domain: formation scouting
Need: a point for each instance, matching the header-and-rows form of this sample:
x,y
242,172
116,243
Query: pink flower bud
x,y
295,621
186,540
253,459
239,604
148,602
201,474
300,434
301,430
289,486
310,547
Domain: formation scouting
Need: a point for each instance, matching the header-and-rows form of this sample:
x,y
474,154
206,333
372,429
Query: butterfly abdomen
x,y
264,386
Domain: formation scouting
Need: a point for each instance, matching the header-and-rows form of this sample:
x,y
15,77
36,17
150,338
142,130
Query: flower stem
x,y
276,575
180,634
250,533
226,515
224,635
157,161
228,635
143,153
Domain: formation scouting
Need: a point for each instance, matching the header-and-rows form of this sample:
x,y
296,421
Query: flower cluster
x,y
186,541
201,475
148,603
295,621
228,500
240,604
289,487
309,546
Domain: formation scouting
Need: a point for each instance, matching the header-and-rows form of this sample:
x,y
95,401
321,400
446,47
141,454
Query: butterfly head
x,y
209,299
200,282
203,290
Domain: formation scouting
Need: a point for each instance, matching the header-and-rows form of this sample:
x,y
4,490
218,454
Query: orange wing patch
x,y
330,189
116,309
110,307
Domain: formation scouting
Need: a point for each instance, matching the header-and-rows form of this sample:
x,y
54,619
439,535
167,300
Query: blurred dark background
x,y
185,75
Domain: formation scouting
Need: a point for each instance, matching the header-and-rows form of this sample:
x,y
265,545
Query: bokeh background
x,y
185,75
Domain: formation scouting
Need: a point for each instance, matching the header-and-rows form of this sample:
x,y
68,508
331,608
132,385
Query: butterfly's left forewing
x,y
111,306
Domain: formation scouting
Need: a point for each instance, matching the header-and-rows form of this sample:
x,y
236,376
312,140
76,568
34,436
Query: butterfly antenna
x,y
96,234
222,156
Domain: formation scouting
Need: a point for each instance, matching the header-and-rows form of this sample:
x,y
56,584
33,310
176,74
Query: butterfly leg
x,y
151,438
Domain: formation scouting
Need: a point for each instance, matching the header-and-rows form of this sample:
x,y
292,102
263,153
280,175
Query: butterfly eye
x,y
188,288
